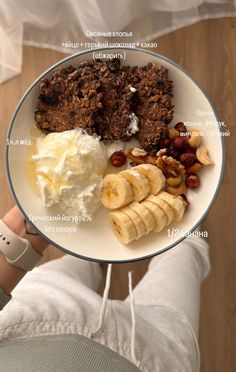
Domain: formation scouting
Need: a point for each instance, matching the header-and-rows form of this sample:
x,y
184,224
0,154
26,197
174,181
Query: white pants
x,y
60,297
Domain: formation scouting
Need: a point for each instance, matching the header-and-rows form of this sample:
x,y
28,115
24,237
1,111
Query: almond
x,y
146,159
194,168
138,151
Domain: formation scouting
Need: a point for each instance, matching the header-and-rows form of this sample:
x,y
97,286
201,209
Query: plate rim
x,y
24,96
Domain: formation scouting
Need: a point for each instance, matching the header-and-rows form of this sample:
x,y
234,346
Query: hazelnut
x,y
188,159
164,143
194,168
180,143
180,127
195,137
165,133
174,154
191,149
118,158
173,133
192,181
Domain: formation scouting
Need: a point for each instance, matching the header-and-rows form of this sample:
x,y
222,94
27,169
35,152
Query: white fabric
x,y
50,23
133,319
104,300
59,297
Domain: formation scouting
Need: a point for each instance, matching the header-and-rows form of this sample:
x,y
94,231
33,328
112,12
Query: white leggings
x,y
60,297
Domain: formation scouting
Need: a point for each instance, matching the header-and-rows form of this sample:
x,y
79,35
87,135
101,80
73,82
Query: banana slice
x,y
164,206
145,216
122,226
158,214
175,203
137,221
139,184
154,175
116,191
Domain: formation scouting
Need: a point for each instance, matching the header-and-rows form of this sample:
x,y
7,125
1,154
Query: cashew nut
x,y
137,151
173,133
195,137
177,190
174,181
203,156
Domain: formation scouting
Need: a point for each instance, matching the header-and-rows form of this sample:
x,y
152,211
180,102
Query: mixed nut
x,y
118,159
180,157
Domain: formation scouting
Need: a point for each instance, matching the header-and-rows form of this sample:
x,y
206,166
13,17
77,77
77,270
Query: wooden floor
x,y
208,51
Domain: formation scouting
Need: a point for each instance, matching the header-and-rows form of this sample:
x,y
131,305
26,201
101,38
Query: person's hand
x,y
15,221
11,275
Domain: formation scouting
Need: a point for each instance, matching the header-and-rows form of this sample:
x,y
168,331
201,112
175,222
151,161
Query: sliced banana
x,y
116,191
158,214
164,206
154,175
139,184
175,203
122,226
137,221
145,216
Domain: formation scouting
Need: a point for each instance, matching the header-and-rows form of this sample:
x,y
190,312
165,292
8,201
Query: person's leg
x,y
56,297
173,279
163,324
86,272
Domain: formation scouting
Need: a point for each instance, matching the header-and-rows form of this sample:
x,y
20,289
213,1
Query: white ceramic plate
x,y
95,240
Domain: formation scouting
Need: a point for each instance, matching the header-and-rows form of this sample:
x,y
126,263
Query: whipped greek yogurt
x,y
69,169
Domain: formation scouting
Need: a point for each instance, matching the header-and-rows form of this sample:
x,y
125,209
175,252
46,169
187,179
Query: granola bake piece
x,y
104,98
94,96
112,121
152,103
69,99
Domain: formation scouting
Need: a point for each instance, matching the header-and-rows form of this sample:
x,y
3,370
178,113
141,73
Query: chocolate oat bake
x,y
98,96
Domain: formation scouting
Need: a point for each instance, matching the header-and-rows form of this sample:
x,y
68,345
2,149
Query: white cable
x,y
104,299
133,330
